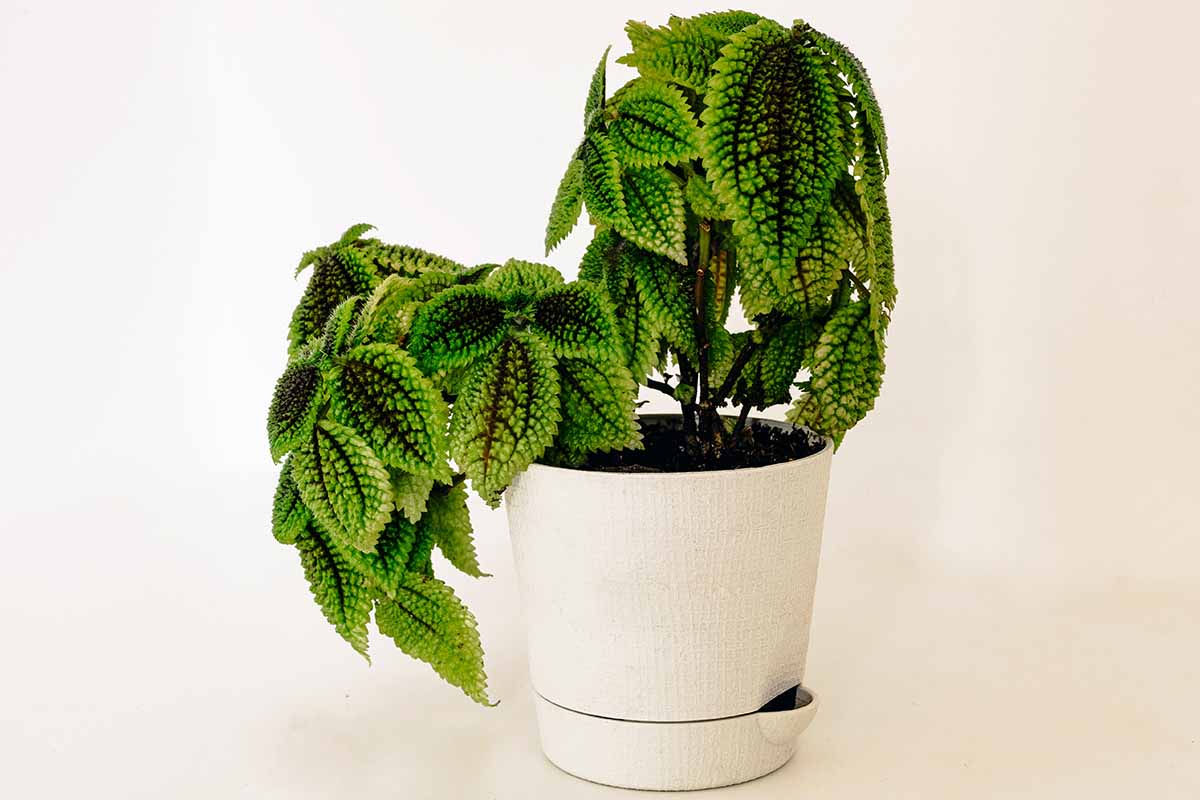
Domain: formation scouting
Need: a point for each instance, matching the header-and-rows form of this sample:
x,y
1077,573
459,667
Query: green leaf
x,y
655,214
403,547
771,143
568,203
771,373
388,313
294,406
341,592
665,291
506,415
598,403
847,372
411,494
681,53
606,265
881,275
449,523
340,327
846,63
288,514
428,622
596,91
355,232
457,327
574,321
338,274
703,201
652,125
520,281
378,391
408,262
344,484
727,23
602,191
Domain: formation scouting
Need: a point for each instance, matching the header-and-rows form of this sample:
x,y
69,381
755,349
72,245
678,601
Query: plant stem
x,y
743,415
735,370
661,386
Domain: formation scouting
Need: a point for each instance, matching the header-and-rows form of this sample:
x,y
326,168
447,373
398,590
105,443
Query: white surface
x,y
1008,602
664,598
670,756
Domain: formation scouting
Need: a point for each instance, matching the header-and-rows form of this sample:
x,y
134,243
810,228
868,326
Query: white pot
x,y
664,611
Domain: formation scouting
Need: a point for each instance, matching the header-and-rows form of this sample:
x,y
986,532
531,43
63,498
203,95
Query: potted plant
x,y
666,563
668,591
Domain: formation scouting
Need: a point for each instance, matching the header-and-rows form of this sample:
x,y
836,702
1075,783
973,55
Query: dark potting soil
x,y
665,448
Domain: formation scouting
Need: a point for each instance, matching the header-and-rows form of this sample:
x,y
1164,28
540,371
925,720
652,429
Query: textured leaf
x,y
847,372
288,514
574,321
596,91
294,406
355,232
340,591
598,403
520,281
879,236
338,273
665,291
727,23
506,415
427,621
449,525
378,391
606,265
655,214
405,261
602,191
703,201
456,327
403,547
411,494
848,64
682,52
653,125
339,328
387,314
770,374
568,204
344,484
771,143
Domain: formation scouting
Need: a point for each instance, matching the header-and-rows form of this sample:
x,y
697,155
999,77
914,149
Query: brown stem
x,y
743,415
661,386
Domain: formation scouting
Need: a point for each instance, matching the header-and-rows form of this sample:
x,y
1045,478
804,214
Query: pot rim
x,y
826,448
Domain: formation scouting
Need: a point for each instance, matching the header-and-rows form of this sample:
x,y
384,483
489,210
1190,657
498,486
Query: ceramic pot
x,y
668,617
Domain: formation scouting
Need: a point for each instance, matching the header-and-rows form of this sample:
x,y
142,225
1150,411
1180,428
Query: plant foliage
x,y
747,158
410,375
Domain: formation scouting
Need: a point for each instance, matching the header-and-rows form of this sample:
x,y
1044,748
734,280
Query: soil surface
x,y
667,449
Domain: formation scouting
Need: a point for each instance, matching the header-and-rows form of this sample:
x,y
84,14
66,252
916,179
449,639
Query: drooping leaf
x,y
846,63
771,143
655,214
294,406
519,281
506,415
338,273
605,265
288,514
598,399
568,203
341,592
847,372
683,52
378,391
879,255
574,321
770,374
411,494
652,125
427,621
344,484
457,327
449,524
602,193
403,547
596,91
666,296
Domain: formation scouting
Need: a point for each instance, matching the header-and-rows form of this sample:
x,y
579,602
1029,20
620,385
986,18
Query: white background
x,y
1009,604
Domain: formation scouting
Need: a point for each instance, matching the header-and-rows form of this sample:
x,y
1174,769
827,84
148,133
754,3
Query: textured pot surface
x,y
665,597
